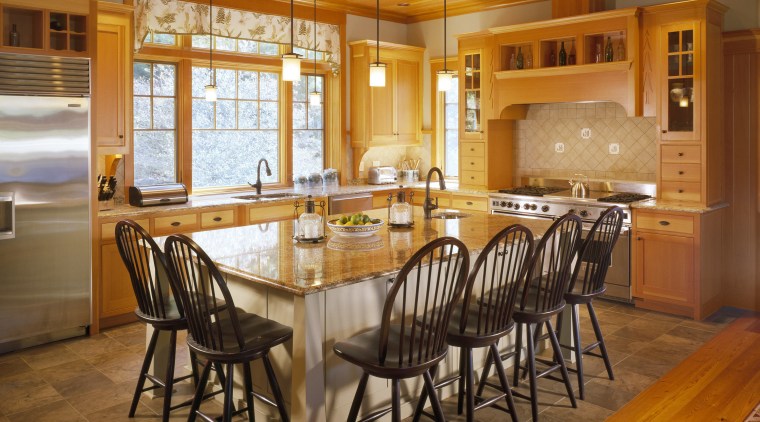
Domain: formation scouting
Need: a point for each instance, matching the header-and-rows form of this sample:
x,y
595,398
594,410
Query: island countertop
x,y
267,254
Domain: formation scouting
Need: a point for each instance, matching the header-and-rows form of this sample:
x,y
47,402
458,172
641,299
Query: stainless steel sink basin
x,y
282,195
451,215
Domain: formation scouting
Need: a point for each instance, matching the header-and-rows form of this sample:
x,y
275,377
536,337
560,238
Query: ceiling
x,y
415,10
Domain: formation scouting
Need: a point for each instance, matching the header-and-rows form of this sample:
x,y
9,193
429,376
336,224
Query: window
x,y
231,135
155,111
235,45
308,127
162,39
451,129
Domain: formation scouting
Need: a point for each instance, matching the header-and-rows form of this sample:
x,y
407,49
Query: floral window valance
x,y
184,17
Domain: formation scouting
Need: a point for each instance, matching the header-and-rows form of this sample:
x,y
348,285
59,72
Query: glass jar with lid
x,y
400,213
309,222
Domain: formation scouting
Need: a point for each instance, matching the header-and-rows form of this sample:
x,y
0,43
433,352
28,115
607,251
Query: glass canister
x,y
401,212
310,223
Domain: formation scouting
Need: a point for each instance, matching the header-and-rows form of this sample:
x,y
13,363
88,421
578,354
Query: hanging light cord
x,y
291,26
378,31
210,43
315,45
444,36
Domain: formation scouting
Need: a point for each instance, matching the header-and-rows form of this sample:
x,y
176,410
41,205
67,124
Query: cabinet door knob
x,y
472,149
472,163
472,177
680,172
664,223
121,136
638,238
680,190
680,154
664,131
469,202
482,131
176,223
217,219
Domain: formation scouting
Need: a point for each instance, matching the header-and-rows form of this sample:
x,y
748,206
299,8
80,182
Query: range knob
x,y
571,211
503,203
509,204
545,208
584,213
533,207
526,206
517,206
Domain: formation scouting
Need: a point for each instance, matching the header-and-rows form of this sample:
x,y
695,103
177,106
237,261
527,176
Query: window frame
x,y
437,109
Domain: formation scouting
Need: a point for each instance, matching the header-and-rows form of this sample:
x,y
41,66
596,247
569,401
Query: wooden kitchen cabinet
x,y
47,27
117,298
672,269
389,115
113,79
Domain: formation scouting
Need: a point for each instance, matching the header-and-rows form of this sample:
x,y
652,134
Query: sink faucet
x,y
257,185
428,205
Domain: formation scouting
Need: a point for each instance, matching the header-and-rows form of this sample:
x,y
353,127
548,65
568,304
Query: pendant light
x,y
291,62
444,76
377,69
315,98
211,87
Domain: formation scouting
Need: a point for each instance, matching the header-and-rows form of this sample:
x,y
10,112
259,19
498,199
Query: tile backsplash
x,y
547,125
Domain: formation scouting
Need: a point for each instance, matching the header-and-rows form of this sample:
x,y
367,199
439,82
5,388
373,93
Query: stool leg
x,y
357,403
395,394
562,367
275,388
437,409
462,380
531,358
228,409
199,390
194,367
486,371
577,349
248,390
423,399
504,382
169,381
518,347
470,381
600,339
143,371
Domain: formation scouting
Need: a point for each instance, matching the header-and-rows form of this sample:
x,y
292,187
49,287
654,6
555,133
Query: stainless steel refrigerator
x,y
45,249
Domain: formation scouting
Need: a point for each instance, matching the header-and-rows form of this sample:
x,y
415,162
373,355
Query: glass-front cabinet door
x,y
681,79
472,92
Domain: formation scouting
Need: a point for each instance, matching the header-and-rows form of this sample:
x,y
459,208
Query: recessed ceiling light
x,y
403,4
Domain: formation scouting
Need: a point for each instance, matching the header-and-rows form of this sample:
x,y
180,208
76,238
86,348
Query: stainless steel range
x,y
549,199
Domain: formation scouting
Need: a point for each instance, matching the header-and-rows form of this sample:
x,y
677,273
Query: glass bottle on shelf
x,y
562,54
571,55
401,211
14,37
552,57
520,59
512,63
608,52
310,223
620,52
598,55
528,60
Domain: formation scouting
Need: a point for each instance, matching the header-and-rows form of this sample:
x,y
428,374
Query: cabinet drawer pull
x,y
121,136
472,177
680,172
482,131
472,149
217,219
469,202
680,154
472,163
680,190
664,223
638,238
176,223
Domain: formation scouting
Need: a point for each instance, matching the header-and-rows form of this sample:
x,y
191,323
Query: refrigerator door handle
x,y
7,215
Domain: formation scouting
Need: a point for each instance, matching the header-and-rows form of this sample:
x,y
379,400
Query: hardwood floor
x,y
718,382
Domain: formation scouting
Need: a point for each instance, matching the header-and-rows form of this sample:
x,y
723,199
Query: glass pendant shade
x,y
377,74
444,80
315,99
291,67
211,93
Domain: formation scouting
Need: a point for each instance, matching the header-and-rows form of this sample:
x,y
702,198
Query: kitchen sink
x,y
451,215
282,195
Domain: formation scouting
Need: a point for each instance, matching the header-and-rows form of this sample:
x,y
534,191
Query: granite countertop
x,y
665,205
200,202
267,254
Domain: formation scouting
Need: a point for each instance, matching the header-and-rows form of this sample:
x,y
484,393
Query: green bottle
x,y
520,60
562,55
608,52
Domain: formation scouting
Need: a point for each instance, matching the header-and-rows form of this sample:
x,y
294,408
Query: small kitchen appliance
x,y
145,196
382,175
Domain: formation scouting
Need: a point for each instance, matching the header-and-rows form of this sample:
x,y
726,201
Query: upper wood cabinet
x,y
46,27
680,95
113,79
389,115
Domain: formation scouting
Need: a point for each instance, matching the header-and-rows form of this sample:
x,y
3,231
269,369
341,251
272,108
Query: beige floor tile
x,y
24,392
563,411
46,356
84,384
59,411
93,347
65,371
645,366
13,366
692,333
120,413
622,344
104,398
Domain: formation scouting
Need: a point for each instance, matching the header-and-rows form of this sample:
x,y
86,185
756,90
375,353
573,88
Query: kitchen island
x,y
330,291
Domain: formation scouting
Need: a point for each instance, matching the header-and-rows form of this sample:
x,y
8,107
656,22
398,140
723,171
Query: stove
x,y
532,190
624,198
554,204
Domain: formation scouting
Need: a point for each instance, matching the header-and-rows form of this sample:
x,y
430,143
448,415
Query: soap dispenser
x,y
400,213
310,223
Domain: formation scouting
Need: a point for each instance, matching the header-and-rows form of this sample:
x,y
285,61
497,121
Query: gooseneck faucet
x,y
428,206
257,185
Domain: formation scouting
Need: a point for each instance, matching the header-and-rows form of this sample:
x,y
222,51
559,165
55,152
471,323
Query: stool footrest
x,y
447,381
376,415
590,347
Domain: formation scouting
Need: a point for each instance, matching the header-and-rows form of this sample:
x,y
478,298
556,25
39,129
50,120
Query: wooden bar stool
x,y
543,298
411,339
588,282
485,316
223,335
157,306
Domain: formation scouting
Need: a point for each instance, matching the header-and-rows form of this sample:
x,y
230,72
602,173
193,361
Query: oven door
x,y
618,280
521,215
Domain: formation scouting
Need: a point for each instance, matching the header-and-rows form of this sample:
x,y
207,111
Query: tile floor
x,y
92,379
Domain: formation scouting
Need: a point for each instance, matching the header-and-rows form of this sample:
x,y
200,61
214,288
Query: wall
x,y
548,124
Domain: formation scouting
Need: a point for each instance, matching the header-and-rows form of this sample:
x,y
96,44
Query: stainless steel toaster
x,y
145,196
382,175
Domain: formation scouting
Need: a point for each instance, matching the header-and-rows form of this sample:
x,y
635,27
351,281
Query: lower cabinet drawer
x,y
275,212
175,223
682,224
473,178
681,191
673,172
473,163
472,203
473,149
108,230
681,154
221,218
380,199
